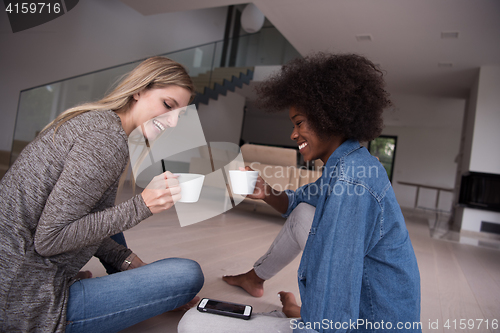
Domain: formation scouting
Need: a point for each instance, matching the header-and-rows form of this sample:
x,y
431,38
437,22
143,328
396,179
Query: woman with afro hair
x,y
358,271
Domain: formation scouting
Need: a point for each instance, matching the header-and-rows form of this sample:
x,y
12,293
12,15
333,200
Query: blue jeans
x,y
115,302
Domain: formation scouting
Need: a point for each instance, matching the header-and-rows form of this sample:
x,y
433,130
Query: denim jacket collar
x,y
344,149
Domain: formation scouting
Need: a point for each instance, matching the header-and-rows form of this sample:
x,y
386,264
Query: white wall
x,y
94,35
222,119
468,128
424,156
428,131
485,154
482,135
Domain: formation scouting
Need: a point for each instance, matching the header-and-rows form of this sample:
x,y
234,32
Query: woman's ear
x,y
136,96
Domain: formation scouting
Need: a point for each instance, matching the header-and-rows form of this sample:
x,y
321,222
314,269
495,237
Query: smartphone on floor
x,y
225,308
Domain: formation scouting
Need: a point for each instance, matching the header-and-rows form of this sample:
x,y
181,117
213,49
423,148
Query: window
x,y
384,147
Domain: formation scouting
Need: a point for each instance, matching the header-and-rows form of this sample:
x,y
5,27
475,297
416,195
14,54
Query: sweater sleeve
x,y
69,220
112,253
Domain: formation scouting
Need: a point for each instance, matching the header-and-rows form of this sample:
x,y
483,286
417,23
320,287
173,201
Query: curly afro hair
x,y
340,94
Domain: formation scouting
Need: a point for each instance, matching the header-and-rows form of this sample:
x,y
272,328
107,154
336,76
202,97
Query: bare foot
x,y
290,307
188,305
249,281
83,275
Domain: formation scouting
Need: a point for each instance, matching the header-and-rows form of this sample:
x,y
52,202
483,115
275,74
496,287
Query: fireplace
x,y
481,191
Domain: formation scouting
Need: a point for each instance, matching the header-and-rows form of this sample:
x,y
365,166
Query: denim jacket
x,y
358,271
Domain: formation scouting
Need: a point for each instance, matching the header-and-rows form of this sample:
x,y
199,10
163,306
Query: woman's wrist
x,y
276,199
268,192
128,262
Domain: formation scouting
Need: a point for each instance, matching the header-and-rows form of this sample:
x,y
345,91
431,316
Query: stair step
x,y
210,85
218,76
232,69
224,72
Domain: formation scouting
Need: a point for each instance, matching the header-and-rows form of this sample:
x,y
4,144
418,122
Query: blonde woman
x,y
57,211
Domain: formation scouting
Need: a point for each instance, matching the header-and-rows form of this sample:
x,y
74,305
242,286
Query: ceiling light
x,y
252,18
443,64
449,34
364,38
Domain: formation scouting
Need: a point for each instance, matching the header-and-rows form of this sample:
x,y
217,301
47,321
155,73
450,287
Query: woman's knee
x,y
187,271
194,273
300,223
303,211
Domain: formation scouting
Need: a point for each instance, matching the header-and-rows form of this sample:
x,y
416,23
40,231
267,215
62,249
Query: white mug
x,y
243,182
191,185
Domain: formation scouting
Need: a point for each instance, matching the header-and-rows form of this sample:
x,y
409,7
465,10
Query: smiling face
x,y
154,127
311,145
157,109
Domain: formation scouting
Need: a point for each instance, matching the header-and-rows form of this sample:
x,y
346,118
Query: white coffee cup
x,y
243,182
191,185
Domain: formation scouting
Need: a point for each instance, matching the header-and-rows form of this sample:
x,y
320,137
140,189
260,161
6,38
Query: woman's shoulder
x,y
362,168
97,121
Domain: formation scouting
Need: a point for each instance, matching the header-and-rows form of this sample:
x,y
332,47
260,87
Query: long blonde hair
x,y
152,73
155,72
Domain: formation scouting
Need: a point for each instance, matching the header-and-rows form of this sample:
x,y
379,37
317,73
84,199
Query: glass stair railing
x,y
213,70
219,81
218,75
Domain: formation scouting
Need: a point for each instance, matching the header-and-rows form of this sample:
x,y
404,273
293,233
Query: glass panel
x,y
36,108
266,48
39,106
384,147
197,60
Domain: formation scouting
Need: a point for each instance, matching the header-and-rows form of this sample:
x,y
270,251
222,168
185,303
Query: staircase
x,y
212,83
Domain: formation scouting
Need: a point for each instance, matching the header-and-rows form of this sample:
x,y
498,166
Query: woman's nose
x,y
294,135
173,118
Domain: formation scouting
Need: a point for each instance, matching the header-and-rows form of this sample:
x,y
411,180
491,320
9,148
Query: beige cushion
x,y
269,155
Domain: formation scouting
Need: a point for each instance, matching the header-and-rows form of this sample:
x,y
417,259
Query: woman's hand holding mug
x,y
162,192
261,187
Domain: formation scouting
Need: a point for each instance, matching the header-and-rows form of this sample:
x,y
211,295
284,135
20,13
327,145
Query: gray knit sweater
x,y
57,211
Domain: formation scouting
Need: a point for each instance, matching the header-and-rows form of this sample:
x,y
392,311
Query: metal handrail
x,y
439,189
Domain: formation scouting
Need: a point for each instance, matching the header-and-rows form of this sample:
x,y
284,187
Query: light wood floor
x,y
458,281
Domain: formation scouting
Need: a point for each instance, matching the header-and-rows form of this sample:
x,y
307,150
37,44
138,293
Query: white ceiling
x,y
406,35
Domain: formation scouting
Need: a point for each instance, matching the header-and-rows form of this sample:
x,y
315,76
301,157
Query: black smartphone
x,y
225,308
